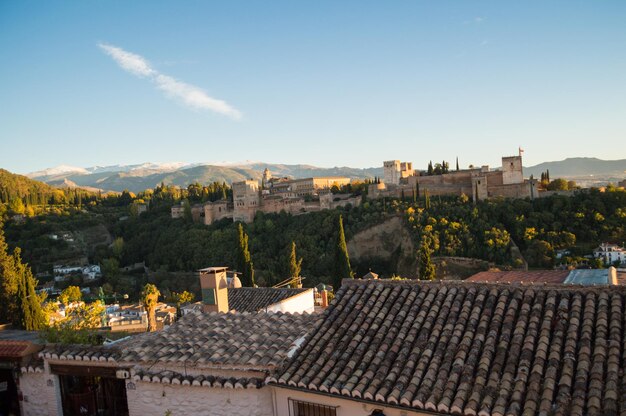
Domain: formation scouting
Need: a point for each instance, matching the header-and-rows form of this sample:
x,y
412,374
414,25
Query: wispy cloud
x,y
187,94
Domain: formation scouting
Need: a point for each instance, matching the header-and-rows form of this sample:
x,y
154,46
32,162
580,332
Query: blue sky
x,y
326,83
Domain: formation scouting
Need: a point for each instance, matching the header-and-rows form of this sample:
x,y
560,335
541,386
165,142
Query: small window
x,y
298,408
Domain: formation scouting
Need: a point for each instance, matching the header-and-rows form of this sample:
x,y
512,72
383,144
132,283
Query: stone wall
x,y
155,399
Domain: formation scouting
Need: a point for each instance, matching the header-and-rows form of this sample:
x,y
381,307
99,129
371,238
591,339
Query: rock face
x,y
384,246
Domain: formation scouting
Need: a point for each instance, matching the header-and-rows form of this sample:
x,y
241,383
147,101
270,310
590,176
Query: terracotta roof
x,y
470,348
255,299
224,340
13,349
516,276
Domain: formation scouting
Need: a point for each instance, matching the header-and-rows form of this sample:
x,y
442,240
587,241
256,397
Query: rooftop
x,y
469,348
516,276
203,340
255,299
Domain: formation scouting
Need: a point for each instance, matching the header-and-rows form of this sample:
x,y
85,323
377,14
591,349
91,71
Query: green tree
x,y
16,206
244,260
426,267
342,260
295,266
8,282
558,185
79,325
117,247
70,294
181,298
149,298
30,315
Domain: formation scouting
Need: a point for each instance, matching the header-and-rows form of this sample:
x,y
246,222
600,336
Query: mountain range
x,y
136,178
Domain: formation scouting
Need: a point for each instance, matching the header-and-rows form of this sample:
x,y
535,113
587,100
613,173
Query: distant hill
x,y
579,167
137,178
13,185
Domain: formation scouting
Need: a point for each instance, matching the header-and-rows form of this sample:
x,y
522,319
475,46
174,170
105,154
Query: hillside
x,y
580,167
137,178
13,185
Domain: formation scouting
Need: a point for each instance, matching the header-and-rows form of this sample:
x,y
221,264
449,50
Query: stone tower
x,y
512,170
267,175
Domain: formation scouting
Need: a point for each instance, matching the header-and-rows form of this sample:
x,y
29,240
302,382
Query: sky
x,y
328,83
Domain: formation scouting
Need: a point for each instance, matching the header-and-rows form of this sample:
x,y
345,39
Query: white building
x,y
610,253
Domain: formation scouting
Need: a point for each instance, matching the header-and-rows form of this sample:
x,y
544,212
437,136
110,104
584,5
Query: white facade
x,y
41,394
157,398
343,407
610,253
301,303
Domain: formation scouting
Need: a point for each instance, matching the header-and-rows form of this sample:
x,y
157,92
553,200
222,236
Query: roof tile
x,y
469,348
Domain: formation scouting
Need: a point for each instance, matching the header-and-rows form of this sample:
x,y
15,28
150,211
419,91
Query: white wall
x,y
155,399
344,407
302,303
39,391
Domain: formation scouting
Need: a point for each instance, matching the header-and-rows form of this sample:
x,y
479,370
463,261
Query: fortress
x,y
479,183
273,195
300,196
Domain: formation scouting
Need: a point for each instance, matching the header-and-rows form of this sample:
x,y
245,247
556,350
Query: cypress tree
x,y
430,168
342,260
244,261
426,267
8,282
457,163
402,195
426,199
30,315
548,175
417,189
295,266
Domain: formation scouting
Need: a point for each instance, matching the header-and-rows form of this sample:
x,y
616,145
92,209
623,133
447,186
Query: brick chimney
x,y
214,288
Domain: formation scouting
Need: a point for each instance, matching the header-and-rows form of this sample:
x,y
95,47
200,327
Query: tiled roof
x,y
225,340
13,349
470,348
621,278
516,276
103,353
172,377
255,299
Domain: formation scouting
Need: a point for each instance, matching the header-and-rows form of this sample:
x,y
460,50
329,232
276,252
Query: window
x,y
298,408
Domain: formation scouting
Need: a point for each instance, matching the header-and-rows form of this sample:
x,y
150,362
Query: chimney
x,y
214,288
612,276
324,296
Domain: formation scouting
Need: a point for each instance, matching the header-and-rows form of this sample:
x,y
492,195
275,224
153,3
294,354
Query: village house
x,y
221,293
610,253
205,364
460,348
